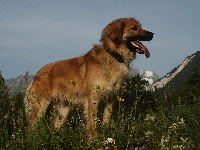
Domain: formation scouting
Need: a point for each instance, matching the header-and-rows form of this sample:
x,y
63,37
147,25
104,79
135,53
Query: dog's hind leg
x,y
35,108
61,111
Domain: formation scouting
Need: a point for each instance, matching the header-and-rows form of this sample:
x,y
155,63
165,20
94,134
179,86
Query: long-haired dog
x,y
87,79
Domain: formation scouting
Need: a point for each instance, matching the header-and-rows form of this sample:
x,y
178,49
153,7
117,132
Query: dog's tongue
x,y
141,49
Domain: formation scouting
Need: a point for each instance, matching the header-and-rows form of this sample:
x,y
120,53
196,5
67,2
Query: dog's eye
x,y
134,28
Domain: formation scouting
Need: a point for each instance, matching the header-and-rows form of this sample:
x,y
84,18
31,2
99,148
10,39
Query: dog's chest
x,y
112,81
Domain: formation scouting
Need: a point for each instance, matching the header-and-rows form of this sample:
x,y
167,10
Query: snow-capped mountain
x,y
149,76
176,78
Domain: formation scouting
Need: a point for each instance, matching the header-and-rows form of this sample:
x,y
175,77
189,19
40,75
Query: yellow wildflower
x,y
120,99
6,116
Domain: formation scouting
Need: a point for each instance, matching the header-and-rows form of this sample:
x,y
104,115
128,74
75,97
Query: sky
x,y
37,32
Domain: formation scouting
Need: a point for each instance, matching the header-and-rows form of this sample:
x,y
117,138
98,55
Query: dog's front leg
x,y
107,112
91,108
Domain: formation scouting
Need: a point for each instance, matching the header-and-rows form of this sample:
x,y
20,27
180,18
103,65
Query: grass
x,y
140,121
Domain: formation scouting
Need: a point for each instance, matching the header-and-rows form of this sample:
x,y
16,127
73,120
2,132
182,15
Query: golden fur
x,y
86,79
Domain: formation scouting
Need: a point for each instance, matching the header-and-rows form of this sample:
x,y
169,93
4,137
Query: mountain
x,y
21,82
173,80
149,76
176,78
18,84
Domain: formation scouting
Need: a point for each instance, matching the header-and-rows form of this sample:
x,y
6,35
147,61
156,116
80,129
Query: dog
x,y
88,79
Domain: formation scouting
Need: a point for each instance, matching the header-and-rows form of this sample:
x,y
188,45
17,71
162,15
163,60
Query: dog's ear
x,y
113,31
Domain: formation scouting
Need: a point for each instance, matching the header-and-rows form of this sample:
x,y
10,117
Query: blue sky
x,y
36,32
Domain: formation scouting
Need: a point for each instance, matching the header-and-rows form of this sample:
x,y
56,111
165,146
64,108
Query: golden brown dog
x,y
89,78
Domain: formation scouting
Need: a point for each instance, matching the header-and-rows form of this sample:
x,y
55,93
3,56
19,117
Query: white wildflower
x,y
149,118
183,140
13,136
164,140
178,147
175,146
173,126
178,124
181,122
110,140
148,133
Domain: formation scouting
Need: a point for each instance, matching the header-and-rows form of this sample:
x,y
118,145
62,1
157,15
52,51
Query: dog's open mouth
x,y
140,48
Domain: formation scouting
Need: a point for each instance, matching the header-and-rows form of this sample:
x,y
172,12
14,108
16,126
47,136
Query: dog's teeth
x,y
135,45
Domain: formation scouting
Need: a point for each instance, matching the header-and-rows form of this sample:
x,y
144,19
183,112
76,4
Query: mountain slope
x,y
176,78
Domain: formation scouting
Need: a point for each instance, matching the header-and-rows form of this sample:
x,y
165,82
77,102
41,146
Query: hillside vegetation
x,y
140,120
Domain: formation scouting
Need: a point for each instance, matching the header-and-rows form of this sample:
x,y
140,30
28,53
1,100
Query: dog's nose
x,y
150,34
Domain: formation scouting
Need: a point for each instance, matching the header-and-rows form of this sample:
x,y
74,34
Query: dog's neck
x,y
117,56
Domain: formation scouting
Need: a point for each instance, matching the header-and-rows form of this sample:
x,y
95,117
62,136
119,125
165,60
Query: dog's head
x,y
126,32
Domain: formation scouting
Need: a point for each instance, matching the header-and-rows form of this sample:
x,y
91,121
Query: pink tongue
x,y
141,47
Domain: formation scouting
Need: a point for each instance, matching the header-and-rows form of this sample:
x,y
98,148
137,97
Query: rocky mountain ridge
x,y
176,78
166,79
